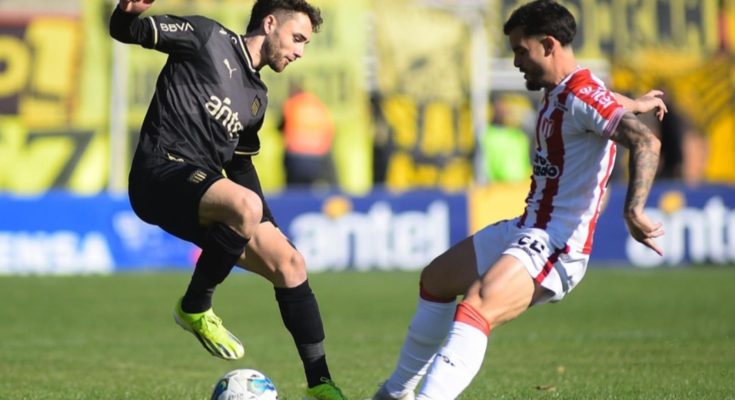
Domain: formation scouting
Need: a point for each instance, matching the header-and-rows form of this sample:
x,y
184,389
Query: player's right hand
x,y
645,231
653,100
135,6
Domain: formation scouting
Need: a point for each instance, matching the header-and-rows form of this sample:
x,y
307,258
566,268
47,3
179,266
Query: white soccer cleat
x,y
383,394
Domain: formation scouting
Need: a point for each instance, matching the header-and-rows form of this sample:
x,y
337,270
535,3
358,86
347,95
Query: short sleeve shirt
x,y
573,160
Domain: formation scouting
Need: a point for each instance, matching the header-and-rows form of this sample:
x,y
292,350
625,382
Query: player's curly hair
x,y
543,17
263,8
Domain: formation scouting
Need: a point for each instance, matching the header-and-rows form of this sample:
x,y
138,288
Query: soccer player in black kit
x,y
192,173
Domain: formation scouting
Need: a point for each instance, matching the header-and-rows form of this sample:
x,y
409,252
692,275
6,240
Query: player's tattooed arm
x,y
644,149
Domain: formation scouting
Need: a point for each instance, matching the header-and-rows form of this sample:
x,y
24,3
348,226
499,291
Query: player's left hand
x,y
644,230
652,101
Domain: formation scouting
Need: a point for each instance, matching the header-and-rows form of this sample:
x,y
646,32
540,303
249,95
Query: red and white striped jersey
x,y
573,160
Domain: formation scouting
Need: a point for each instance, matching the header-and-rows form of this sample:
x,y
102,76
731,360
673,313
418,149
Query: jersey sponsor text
x,y
221,111
180,27
544,168
600,95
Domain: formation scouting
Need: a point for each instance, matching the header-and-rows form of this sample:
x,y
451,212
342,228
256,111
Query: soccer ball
x,y
244,384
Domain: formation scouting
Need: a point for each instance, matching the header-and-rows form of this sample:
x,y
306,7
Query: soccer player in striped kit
x,y
542,255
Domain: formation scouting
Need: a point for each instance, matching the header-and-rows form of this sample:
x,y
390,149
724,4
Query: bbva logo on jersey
x,y
176,27
221,111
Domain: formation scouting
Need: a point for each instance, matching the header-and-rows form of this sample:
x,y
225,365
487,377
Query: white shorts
x,y
552,266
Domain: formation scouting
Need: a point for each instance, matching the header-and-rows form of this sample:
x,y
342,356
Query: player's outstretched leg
x,y
208,328
502,293
427,331
457,363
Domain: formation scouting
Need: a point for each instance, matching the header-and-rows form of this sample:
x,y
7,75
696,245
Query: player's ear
x,y
269,23
549,44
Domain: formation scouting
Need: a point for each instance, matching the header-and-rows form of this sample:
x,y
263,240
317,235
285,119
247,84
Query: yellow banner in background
x,y
621,28
703,92
496,202
395,74
727,19
422,97
52,125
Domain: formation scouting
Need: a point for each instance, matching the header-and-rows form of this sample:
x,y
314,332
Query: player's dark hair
x,y
263,8
543,17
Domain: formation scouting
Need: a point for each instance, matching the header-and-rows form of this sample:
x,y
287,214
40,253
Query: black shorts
x,y
168,195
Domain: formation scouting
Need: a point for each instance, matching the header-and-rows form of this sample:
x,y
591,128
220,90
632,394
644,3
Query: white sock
x,y
427,331
456,364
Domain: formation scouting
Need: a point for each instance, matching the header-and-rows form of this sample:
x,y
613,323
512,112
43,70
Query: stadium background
x,y
406,79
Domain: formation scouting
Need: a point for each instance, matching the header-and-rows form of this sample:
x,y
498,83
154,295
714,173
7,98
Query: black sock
x,y
300,314
222,248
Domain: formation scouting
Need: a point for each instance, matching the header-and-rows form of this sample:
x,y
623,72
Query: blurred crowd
x,y
371,105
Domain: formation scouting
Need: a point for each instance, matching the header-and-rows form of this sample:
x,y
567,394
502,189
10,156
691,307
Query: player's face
x,y
529,56
285,43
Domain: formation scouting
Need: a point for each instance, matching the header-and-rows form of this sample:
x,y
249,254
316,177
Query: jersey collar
x,y
564,81
247,55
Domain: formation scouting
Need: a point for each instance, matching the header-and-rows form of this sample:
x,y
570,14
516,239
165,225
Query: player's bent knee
x,y
439,281
291,269
432,284
250,213
428,280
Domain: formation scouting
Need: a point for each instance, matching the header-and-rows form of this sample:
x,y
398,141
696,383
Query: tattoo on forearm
x,y
644,153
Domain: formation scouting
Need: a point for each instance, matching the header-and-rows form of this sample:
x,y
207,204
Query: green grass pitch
x,y
622,334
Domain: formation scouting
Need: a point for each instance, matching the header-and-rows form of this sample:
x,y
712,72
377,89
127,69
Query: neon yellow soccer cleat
x,y
326,391
207,327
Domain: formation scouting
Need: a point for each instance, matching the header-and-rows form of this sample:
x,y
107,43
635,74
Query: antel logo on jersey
x,y
543,167
598,94
221,111
181,27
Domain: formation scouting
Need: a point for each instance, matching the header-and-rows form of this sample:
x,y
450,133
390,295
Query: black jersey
x,y
209,101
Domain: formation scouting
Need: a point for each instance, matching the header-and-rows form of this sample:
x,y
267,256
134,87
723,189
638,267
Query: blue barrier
x,y
381,230
699,223
58,233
